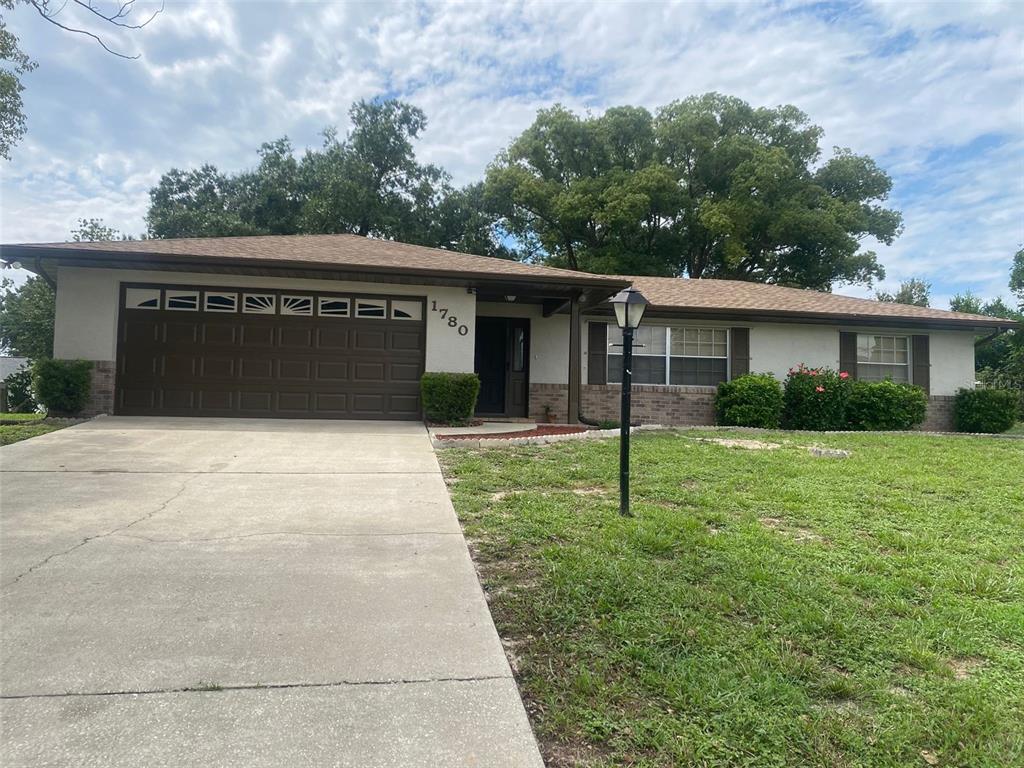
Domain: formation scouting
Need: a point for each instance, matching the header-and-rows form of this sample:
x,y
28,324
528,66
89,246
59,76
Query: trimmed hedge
x,y
449,398
815,399
62,386
875,405
984,410
751,400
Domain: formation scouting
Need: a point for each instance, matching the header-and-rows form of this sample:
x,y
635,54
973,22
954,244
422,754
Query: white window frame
x,y
371,304
271,310
905,365
295,298
668,331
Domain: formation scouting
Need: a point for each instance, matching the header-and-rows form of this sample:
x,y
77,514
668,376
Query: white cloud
x,y
911,84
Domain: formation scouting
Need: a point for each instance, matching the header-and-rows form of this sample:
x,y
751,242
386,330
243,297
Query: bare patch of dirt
x,y
594,490
794,532
964,668
749,445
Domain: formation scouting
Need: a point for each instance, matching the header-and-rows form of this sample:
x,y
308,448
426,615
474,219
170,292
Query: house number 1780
x,y
453,321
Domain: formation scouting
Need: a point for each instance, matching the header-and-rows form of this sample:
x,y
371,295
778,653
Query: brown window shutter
x,y
597,353
848,353
739,351
921,361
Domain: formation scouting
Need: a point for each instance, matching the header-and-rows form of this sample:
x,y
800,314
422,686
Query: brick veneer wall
x,y
651,404
101,396
939,417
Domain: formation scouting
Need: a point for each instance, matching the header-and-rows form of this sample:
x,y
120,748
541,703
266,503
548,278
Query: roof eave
x,y
136,259
832,318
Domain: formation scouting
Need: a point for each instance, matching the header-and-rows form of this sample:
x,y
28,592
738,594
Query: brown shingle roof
x,y
362,254
738,297
352,251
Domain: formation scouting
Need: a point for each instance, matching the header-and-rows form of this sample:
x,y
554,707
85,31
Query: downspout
x,y
991,337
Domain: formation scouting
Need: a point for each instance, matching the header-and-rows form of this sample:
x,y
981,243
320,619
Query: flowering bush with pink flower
x,y
815,398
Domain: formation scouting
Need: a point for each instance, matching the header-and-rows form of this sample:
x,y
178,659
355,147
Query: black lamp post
x,y
629,307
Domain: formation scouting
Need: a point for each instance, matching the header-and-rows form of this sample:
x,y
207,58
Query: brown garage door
x,y
186,351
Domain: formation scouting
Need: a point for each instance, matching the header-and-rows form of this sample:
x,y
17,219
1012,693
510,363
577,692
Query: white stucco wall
x,y
549,339
87,305
776,347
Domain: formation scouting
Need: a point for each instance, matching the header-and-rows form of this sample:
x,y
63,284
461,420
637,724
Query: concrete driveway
x,y
244,592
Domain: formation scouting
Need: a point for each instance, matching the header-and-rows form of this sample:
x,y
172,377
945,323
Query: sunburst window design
x,y
296,305
331,307
259,304
406,310
183,301
221,302
142,298
369,308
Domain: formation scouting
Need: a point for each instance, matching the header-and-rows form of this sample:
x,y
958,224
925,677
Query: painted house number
x,y
453,321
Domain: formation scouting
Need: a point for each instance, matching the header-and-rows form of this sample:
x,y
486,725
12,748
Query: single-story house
x,y
340,326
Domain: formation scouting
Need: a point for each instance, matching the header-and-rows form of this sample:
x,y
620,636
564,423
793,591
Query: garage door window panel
x,y
259,304
371,309
333,307
142,298
183,301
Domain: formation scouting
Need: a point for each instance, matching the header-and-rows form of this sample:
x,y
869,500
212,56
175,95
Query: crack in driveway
x,y
104,535
213,688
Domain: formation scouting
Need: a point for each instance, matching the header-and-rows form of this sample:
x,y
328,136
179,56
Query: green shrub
x,y
752,400
815,398
62,386
449,398
875,405
984,410
19,392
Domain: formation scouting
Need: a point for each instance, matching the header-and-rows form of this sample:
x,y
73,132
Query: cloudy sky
x,y
935,92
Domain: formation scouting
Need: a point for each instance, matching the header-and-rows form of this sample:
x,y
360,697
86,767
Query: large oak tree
x,y
707,187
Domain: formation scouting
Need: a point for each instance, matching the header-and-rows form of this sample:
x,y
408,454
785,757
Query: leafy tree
x,y
1017,278
369,183
16,64
26,318
913,291
197,203
12,114
94,230
708,187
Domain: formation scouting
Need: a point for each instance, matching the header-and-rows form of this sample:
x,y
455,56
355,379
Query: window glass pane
x,y
187,301
142,298
518,349
651,338
882,349
332,307
221,302
406,310
369,308
880,372
702,372
614,336
646,370
700,342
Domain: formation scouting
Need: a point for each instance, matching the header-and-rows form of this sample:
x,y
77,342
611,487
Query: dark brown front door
x,y
502,363
264,353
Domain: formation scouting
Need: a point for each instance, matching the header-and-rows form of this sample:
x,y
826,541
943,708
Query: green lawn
x,y
12,433
764,607
21,416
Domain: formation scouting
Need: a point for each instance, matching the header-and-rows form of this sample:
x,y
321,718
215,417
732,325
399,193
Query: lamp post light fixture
x,y
629,306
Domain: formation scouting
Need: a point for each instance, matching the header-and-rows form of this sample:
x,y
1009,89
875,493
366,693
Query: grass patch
x,y
13,433
764,607
1016,429
19,417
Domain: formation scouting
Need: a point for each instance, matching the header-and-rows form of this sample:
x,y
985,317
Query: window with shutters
x,y
881,357
668,355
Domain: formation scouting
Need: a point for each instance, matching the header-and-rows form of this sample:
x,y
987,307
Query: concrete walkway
x,y
178,592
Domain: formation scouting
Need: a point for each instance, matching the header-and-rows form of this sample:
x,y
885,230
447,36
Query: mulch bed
x,y
544,430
